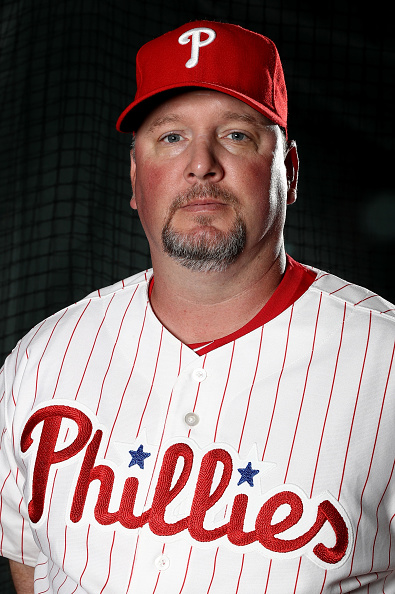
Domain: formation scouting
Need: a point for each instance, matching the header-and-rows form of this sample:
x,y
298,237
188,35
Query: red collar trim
x,y
296,280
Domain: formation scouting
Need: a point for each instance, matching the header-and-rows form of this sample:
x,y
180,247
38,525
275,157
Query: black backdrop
x,y
67,73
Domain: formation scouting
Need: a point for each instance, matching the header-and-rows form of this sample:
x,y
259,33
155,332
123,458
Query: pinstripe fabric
x,y
303,405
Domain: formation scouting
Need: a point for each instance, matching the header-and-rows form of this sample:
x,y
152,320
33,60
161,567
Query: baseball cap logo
x,y
197,42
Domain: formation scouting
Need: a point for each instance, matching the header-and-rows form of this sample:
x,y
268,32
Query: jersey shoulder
x,y
361,298
96,302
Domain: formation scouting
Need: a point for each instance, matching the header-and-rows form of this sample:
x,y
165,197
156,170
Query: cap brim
x,y
132,117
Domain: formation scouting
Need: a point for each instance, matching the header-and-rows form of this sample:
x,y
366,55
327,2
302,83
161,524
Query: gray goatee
x,y
206,251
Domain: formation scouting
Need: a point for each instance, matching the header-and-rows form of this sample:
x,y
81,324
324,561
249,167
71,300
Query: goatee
x,y
210,249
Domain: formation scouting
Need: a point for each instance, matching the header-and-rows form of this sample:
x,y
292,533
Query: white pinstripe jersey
x,y
130,464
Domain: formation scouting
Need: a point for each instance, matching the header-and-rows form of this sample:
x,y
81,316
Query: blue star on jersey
x,y
247,475
138,457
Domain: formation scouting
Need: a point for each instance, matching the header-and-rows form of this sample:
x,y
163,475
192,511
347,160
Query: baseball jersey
x,y
131,464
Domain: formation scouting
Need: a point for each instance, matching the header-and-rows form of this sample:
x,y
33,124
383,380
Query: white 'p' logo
x,y
197,43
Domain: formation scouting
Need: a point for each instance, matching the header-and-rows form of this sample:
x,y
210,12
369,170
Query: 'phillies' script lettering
x,y
170,483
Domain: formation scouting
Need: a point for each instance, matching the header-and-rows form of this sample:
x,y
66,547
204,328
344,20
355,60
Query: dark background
x,y
67,72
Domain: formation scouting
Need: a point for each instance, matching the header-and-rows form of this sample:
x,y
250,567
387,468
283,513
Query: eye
x,y
171,138
238,136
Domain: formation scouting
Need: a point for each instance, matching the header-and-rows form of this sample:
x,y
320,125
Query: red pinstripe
x,y
1,509
64,549
323,583
186,571
62,584
241,571
127,383
50,571
152,383
87,554
68,345
268,575
2,435
223,395
113,349
278,383
159,572
163,433
329,401
372,456
134,362
23,527
15,371
340,288
366,298
34,335
297,575
304,389
39,541
93,346
42,356
355,406
390,535
49,512
55,576
109,563
251,389
47,574
377,513
322,276
17,357
134,560
215,564
389,553
385,579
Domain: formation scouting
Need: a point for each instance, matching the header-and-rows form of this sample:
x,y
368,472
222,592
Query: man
x,y
224,422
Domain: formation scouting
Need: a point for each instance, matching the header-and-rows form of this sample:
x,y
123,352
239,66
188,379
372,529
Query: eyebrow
x,y
260,121
168,119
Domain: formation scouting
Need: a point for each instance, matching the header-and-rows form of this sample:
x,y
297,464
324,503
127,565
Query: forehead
x,y
202,102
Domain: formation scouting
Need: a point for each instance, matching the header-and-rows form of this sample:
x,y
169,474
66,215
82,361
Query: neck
x,y
204,306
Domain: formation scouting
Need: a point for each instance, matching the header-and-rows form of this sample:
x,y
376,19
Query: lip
x,y
199,205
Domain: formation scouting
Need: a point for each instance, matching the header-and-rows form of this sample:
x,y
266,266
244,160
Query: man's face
x,y
209,178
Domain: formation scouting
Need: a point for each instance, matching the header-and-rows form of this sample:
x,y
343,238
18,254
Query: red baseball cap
x,y
218,56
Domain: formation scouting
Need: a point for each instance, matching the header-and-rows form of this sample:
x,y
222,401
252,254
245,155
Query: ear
x,y
133,180
292,167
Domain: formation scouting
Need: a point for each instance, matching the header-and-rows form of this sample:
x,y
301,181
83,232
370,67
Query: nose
x,y
203,163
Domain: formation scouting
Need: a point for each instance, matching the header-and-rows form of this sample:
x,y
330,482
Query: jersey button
x,y
162,562
191,419
199,375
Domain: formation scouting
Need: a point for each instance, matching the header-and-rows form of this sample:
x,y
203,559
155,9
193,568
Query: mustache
x,y
206,191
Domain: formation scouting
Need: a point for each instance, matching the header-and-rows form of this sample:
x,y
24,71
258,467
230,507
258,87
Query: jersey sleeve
x,y
16,537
